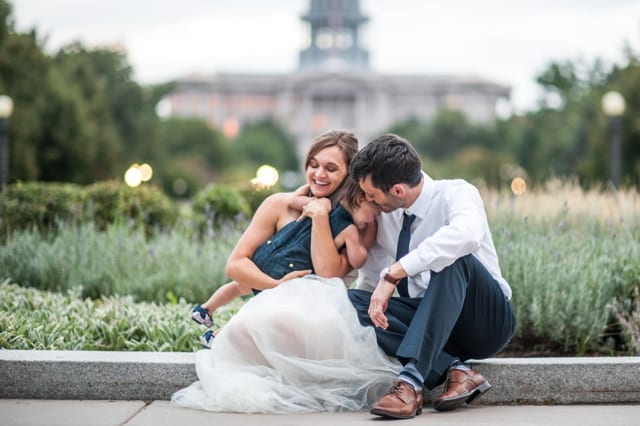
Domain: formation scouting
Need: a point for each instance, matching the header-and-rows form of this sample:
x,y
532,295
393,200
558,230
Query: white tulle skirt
x,y
296,348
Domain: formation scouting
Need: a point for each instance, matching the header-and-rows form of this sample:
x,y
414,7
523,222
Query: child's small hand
x,y
316,207
299,198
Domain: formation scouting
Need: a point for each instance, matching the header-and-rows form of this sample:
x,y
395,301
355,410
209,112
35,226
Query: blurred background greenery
x,y
80,117
129,259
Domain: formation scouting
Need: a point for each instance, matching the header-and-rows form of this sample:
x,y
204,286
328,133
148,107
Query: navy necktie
x,y
403,248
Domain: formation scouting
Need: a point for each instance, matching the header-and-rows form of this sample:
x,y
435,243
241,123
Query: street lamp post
x,y
6,108
613,105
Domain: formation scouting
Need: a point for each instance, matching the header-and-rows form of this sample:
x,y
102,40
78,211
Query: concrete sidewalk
x,y
133,388
20,412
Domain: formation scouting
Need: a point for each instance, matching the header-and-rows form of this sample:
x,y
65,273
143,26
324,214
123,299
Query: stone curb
x,y
156,375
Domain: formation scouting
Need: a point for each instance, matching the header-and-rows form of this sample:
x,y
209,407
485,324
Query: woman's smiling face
x,y
325,171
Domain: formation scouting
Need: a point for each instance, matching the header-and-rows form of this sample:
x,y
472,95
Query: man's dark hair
x,y
388,160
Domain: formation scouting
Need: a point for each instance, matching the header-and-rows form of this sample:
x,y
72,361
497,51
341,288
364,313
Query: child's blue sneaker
x,y
207,339
201,316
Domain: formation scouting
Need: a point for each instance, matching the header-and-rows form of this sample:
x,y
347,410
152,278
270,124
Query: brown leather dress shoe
x,y
462,387
401,401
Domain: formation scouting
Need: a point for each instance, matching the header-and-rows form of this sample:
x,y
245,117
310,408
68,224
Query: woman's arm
x,y
327,261
270,216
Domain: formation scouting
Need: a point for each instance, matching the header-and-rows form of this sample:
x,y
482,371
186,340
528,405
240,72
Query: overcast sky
x,y
507,41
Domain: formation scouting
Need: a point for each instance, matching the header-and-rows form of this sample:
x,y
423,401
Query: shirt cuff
x,y
412,264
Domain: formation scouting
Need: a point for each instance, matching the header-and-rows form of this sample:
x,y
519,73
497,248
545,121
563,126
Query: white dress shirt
x,y
450,223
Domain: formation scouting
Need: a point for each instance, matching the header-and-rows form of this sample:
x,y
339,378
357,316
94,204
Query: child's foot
x,y
201,316
207,339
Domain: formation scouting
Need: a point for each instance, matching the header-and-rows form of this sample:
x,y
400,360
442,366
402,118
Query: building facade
x,y
333,87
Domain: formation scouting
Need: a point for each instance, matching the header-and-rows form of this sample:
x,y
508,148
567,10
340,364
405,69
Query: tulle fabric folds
x,y
296,348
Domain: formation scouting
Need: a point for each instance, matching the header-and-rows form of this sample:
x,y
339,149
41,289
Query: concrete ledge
x,y
94,374
156,375
571,380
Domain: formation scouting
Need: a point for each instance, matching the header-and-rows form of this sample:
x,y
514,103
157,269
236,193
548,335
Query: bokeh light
x,y
132,176
231,128
518,186
146,172
138,173
179,186
266,177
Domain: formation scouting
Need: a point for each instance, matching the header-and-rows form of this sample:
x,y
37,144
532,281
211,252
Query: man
x,y
453,302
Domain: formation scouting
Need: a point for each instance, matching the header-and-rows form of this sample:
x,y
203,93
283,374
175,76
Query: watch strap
x,y
390,279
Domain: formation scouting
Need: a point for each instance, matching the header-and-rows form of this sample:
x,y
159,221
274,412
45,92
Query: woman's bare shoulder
x,y
279,199
276,207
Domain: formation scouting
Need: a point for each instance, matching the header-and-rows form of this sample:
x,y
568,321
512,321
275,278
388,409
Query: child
x,y
353,228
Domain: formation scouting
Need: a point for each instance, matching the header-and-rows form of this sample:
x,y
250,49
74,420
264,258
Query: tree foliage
x,y
567,135
453,147
190,152
265,142
80,117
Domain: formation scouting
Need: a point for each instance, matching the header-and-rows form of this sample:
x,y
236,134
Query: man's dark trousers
x,y
463,314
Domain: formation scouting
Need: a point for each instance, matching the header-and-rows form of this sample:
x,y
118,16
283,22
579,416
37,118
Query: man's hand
x,y
379,302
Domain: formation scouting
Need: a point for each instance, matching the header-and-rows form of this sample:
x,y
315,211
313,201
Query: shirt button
x,y
268,241
291,265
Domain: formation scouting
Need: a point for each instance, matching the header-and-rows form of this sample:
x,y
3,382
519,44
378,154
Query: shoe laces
x,y
395,389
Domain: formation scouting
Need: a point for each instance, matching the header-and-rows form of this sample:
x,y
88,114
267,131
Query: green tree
x,y
568,134
453,147
626,80
121,113
81,144
414,131
448,134
24,76
265,142
189,155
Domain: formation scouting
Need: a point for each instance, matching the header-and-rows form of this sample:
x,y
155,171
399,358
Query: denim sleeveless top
x,y
289,249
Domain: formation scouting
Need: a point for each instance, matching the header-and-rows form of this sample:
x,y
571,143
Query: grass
x,y
571,257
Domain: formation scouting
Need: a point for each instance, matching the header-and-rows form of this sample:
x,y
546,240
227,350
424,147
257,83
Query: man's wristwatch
x,y
385,275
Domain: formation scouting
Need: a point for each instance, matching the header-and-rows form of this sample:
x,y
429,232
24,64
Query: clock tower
x,y
333,37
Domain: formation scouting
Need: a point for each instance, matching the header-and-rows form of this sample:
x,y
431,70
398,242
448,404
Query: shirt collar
x,y
421,205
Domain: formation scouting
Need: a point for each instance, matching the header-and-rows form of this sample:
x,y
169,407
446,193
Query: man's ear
x,y
398,190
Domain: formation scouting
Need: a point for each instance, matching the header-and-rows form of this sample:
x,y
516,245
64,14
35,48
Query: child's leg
x,y
225,294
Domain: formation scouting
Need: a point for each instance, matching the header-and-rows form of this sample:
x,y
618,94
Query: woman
x,y
297,347
326,169
352,223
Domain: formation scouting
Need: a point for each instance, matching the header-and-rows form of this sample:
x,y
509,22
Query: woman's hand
x,y
316,207
294,274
